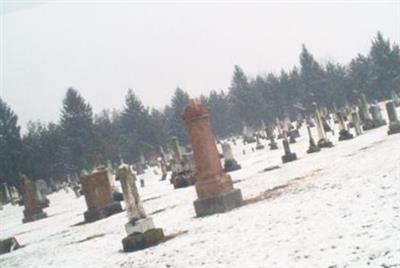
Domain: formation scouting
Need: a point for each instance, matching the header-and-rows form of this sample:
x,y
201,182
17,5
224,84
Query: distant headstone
x,y
356,122
33,211
41,193
394,123
323,141
288,156
9,245
313,147
230,163
344,133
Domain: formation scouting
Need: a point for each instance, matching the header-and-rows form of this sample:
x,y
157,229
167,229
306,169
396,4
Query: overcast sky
x,y
104,48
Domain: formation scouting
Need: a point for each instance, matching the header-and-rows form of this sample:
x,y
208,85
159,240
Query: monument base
x,y
371,124
289,157
30,216
273,146
138,241
97,214
345,135
325,143
260,147
139,226
313,149
218,204
182,180
9,245
231,165
394,128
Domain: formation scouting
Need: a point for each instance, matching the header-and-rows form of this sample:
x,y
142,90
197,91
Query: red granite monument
x,y
98,195
33,211
214,187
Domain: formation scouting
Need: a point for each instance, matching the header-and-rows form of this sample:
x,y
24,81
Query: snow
x,y
336,208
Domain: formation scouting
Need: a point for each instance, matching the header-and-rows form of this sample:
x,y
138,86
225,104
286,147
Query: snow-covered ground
x,y
336,208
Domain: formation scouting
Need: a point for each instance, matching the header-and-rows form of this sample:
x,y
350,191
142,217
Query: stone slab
x,y
218,204
97,214
289,157
138,241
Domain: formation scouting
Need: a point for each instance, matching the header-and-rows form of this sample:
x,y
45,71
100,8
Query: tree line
x,y
82,139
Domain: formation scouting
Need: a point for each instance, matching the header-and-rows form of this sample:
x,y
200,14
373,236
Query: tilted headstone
x,y
394,123
313,147
288,156
98,195
41,193
230,163
344,133
356,122
183,171
270,135
259,145
214,187
377,117
33,211
140,229
323,141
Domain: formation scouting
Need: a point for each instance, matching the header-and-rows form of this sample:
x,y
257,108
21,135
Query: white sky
x,y
103,48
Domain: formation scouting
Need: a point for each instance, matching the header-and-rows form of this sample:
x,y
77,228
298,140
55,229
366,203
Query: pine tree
x,y
77,126
10,145
179,101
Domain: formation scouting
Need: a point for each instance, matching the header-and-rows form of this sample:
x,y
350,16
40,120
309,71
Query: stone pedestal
x,y
33,211
313,147
230,163
140,229
356,122
288,156
9,245
323,141
98,195
213,186
259,145
344,133
394,123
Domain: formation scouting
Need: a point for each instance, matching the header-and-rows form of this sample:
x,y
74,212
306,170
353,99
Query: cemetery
x,y
350,191
204,134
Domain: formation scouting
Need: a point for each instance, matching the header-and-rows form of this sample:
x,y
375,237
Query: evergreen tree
x,y
77,126
179,101
10,145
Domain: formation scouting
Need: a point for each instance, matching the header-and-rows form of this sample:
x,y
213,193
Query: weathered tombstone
x,y
248,135
41,193
270,135
9,245
356,122
377,117
344,133
288,156
364,114
313,147
394,123
98,195
182,167
140,229
214,187
323,141
33,211
230,163
259,145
